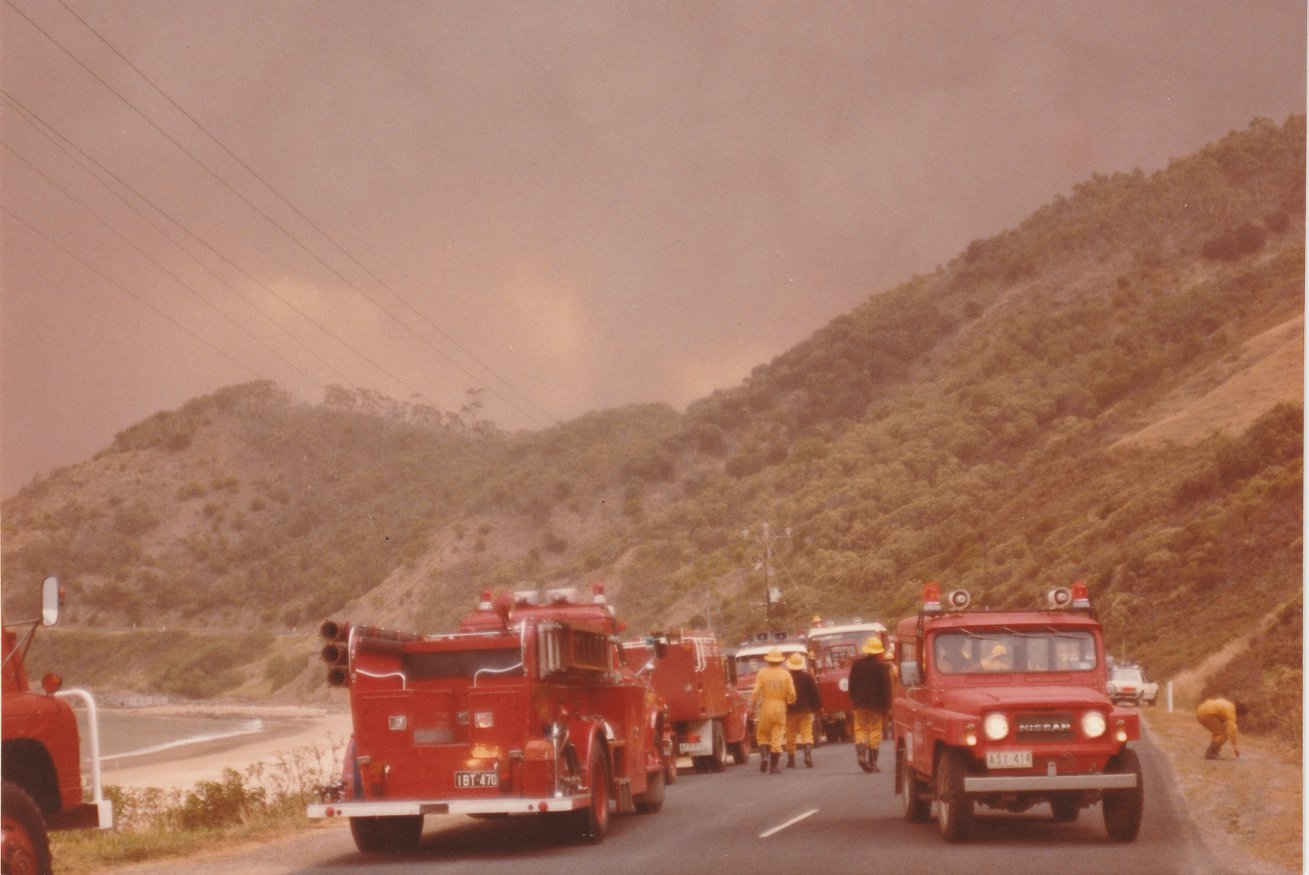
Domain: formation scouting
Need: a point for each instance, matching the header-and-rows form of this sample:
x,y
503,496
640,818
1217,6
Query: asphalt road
x,y
830,818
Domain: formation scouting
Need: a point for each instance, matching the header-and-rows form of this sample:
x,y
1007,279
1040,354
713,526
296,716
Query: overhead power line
x,y
269,186
256,209
68,148
109,226
125,290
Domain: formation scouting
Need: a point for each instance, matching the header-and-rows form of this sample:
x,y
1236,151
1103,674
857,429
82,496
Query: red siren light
x,y
598,593
1081,595
484,604
932,597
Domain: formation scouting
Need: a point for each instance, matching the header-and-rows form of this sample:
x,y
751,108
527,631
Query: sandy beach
x,y
285,730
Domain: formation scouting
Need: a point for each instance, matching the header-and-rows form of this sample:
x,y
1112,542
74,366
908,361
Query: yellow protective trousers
x,y
1217,727
867,727
799,730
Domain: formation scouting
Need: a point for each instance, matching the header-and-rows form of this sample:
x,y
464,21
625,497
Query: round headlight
x,y
995,726
1093,724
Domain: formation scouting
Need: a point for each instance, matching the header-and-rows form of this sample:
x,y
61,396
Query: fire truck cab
x,y
1008,709
40,760
832,648
529,707
706,715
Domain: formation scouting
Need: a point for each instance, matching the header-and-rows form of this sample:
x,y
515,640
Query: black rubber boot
x,y
1211,752
773,759
872,759
790,759
763,760
808,756
861,754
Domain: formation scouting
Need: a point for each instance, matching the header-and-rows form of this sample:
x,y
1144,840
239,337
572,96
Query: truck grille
x,y
1045,727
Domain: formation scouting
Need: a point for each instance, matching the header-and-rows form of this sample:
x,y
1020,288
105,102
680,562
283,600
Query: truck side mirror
x,y
50,601
910,675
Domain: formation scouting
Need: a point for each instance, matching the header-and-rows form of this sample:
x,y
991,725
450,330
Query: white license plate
x,y
1008,759
464,780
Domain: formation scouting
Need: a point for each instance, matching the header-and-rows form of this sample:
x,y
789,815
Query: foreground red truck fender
x,y
1008,709
40,760
707,716
529,707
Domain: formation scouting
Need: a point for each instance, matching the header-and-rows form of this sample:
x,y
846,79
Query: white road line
x,y
792,822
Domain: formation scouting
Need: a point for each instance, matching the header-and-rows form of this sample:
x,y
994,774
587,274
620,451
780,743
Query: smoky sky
x,y
569,206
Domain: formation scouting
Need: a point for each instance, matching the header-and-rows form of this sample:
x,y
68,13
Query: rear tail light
x,y
484,719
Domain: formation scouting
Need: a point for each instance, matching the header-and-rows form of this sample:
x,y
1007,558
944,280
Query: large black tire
x,y
718,759
592,822
25,846
916,808
386,835
1066,807
1123,809
954,807
741,751
652,799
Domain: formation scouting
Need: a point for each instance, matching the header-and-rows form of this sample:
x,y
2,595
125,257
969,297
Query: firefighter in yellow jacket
x,y
773,691
1219,717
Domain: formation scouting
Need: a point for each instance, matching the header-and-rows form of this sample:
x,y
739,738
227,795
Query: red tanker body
x,y
831,650
706,715
528,708
40,759
1008,709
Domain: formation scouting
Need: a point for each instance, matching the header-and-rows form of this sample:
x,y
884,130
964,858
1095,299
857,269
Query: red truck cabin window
x,y
1006,651
430,665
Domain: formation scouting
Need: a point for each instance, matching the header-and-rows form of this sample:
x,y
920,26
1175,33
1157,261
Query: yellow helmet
x,y
775,655
795,661
874,646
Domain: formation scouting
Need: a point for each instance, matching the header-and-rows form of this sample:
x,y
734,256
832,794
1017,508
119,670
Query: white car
x,y
1128,683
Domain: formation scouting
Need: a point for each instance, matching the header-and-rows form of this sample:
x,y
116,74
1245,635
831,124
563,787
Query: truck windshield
x,y
838,651
1003,651
506,662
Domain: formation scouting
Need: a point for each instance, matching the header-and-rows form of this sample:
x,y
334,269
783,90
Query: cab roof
x,y
792,646
947,620
818,632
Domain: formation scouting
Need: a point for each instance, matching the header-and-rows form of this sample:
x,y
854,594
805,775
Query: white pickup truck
x,y
1128,683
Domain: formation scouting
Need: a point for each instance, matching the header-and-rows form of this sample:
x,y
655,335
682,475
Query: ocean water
x,y
125,734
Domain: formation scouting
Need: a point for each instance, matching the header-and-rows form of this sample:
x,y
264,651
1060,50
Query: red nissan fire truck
x,y
1007,710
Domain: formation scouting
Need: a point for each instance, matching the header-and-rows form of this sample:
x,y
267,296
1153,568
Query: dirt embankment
x,y
1249,810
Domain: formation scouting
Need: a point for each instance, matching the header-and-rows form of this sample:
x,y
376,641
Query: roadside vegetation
x,y
153,824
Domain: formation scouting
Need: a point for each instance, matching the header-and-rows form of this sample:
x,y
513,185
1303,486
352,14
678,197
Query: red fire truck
x,y
40,760
1008,709
706,715
528,707
832,648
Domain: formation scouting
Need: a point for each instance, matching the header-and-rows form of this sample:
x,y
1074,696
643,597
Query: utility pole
x,y
766,540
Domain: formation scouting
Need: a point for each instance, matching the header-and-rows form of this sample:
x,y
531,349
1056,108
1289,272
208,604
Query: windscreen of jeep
x,y
997,651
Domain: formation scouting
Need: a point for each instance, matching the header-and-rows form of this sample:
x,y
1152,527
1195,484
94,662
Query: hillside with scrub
x,y
1112,391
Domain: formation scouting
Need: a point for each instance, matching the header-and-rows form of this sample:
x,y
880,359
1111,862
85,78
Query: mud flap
x,y
626,804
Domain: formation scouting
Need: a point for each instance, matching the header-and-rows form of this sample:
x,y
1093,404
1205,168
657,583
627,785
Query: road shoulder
x,y
1249,812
